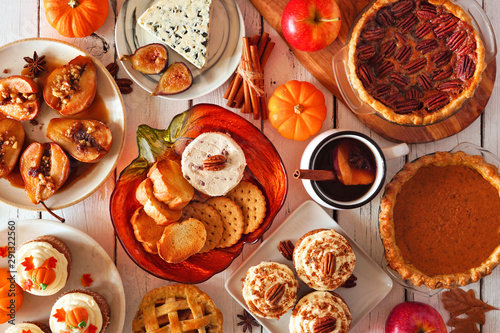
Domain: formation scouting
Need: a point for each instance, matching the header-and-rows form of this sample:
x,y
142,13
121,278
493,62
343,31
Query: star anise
x,y
35,65
357,158
247,321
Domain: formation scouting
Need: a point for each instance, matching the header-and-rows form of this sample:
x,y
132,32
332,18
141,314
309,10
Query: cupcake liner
x,y
58,244
101,302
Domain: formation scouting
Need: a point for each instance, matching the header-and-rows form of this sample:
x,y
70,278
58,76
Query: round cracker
x,y
210,218
252,203
232,218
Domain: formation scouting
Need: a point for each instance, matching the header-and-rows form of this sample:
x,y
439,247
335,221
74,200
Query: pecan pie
x,y
415,61
440,220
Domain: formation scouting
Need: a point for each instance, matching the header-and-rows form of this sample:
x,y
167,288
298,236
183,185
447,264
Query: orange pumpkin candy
x,y
43,276
9,294
76,18
297,110
77,318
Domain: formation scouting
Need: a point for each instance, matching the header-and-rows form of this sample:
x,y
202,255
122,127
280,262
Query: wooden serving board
x,y
319,64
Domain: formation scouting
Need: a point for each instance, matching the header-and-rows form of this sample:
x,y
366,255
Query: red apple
x,y
414,317
310,25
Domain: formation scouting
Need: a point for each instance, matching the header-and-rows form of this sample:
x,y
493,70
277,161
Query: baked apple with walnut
x,y
19,97
11,143
44,168
71,88
86,140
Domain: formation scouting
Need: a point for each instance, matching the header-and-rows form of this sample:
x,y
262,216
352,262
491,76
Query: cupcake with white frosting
x,y
270,289
80,311
322,311
323,259
31,327
43,265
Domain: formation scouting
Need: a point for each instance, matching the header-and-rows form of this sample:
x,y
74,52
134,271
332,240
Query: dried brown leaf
x,y
464,325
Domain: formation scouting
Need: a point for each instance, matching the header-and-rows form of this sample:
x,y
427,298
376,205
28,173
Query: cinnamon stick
x,y
254,53
319,175
255,106
246,90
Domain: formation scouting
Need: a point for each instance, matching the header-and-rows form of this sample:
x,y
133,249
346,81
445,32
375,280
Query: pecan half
x,y
436,101
375,60
350,282
466,67
423,30
407,23
328,263
441,58
365,74
407,106
384,18
401,8
467,48
427,45
413,93
451,86
441,74
391,99
456,40
403,54
214,163
324,324
444,25
373,34
387,48
399,79
125,85
365,51
427,11
401,38
424,81
381,90
385,68
112,69
275,293
286,249
415,65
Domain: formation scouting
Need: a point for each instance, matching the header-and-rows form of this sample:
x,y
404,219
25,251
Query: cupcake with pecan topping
x,y
323,259
270,289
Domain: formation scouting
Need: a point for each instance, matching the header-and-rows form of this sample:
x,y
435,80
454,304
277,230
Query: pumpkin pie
x,y
440,220
415,61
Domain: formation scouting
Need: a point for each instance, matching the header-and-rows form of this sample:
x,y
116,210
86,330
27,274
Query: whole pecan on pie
x,y
415,61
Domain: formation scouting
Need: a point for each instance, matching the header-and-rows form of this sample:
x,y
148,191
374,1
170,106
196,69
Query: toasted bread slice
x,y
156,209
146,230
181,240
169,184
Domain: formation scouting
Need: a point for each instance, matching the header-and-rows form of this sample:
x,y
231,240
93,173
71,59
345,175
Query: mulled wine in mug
x,y
343,169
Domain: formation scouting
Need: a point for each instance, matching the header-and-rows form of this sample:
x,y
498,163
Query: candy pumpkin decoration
x,y
76,18
297,110
77,318
43,276
10,293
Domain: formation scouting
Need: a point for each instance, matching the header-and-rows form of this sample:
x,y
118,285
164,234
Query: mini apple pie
x,y
415,61
177,308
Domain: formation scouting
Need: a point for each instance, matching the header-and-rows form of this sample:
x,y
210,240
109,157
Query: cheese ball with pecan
x,y
321,311
270,289
323,259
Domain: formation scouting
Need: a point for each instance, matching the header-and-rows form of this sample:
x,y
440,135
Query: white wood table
x,y
26,19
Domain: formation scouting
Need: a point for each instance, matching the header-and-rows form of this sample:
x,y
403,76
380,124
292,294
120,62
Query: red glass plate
x,y
264,168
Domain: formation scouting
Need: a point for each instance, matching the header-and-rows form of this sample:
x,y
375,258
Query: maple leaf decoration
x,y
28,263
86,280
60,315
91,329
459,302
27,285
27,331
35,65
50,263
4,251
247,321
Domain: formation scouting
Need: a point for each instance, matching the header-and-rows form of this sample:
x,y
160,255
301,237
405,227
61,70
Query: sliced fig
x,y
176,79
87,140
11,143
19,97
353,165
71,88
149,59
44,168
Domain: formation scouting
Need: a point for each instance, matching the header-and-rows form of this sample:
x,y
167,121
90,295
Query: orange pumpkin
x,y
76,18
43,276
77,318
297,110
10,293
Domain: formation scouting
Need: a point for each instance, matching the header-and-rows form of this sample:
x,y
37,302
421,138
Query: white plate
x,y
373,283
224,48
88,257
11,58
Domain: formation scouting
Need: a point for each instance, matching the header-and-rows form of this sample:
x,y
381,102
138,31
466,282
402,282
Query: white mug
x,y
315,147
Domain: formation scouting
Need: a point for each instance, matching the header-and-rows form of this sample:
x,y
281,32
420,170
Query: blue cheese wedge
x,y
182,25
